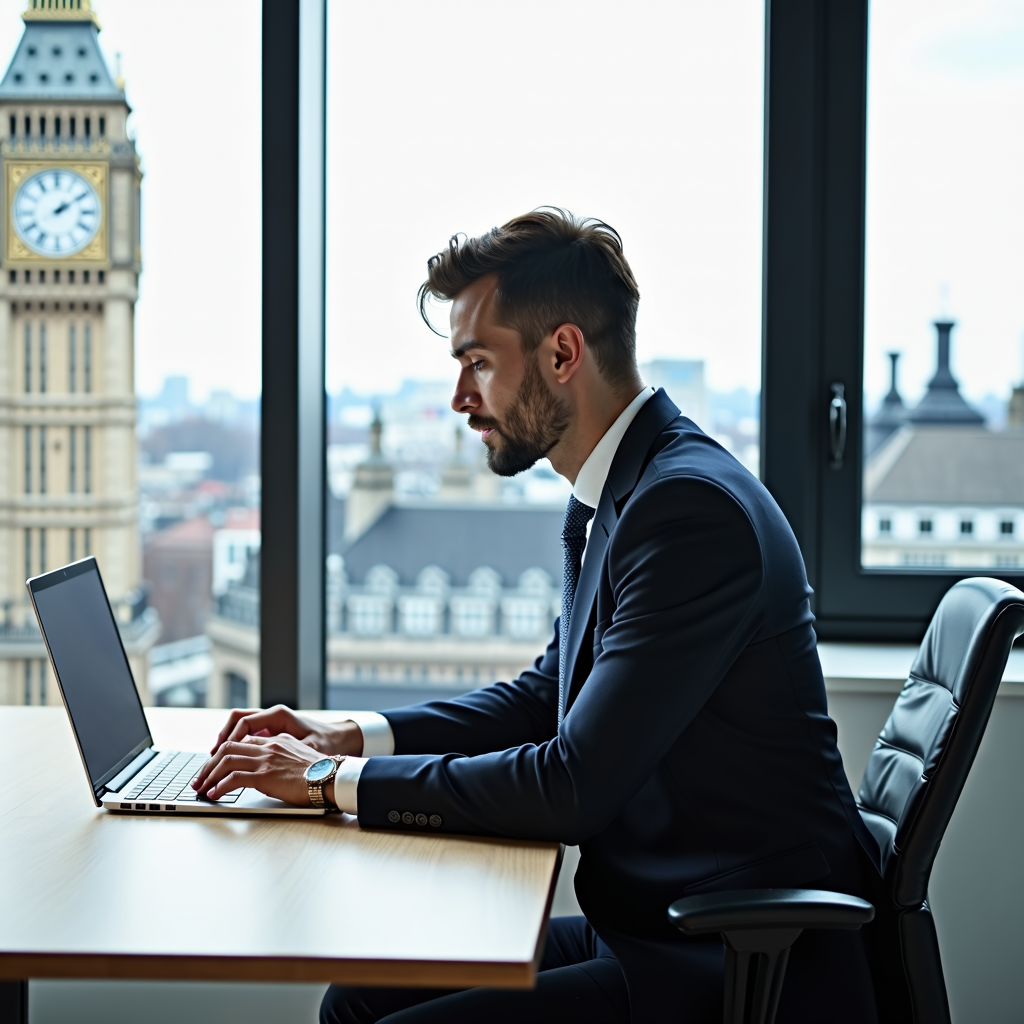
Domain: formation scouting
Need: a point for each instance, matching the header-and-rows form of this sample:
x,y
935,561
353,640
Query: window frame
x,y
293,435
816,68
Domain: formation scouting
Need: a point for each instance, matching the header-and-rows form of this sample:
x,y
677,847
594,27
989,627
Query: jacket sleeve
x,y
494,718
685,569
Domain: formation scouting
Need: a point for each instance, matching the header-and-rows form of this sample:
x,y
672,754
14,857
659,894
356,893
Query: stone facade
x,y
67,344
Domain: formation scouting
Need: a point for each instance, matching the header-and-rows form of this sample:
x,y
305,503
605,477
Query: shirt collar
x,y
594,472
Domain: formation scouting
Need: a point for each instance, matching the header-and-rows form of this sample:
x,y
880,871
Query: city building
x,y
425,596
178,564
68,286
940,490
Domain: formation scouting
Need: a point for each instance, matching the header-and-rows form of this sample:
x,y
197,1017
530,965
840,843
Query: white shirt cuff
x,y
378,739
346,784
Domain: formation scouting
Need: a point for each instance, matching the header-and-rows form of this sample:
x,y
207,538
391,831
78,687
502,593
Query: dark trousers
x,y
579,981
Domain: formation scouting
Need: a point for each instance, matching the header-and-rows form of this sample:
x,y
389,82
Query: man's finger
x,y
273,720
236,780
227,766
233,718
222,751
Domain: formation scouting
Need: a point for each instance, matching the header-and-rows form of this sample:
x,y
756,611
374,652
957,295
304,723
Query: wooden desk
x,y
89,894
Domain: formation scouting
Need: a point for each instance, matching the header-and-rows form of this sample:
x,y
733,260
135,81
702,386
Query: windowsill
x,y
883,668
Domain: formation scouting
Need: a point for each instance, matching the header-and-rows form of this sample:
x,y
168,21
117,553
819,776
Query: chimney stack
x,y
943,404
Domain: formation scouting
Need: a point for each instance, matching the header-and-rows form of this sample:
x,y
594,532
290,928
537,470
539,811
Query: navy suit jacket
x,y
696,753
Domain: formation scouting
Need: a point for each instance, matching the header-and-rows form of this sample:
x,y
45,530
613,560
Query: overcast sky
x,y
945,227
456,115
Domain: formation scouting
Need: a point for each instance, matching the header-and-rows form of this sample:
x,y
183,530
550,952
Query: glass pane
x,y
131,337
453,117
944,361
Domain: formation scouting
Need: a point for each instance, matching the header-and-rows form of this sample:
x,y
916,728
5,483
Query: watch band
x,y
317,796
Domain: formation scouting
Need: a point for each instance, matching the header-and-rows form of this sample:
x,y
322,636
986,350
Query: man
x,y
675,727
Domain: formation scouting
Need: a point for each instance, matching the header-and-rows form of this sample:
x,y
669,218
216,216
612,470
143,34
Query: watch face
x,y
56,212
319,770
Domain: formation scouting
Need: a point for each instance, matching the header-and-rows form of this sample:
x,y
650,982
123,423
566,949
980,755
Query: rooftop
x,y
947,465
59,57
460,538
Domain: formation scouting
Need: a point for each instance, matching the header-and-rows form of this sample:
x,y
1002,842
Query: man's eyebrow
x,y
457,353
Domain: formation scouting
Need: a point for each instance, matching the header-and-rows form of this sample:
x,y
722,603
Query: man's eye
x,y
477,366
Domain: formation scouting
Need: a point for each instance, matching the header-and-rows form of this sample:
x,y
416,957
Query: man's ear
x,y
565,347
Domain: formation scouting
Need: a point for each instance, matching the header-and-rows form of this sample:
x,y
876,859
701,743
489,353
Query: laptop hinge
x,y
131,769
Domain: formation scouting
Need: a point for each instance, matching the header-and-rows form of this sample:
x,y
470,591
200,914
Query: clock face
x,y
56,212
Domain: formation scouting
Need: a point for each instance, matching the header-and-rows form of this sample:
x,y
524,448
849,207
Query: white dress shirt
x,y
378,739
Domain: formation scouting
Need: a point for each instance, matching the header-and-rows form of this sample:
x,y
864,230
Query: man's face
x,y
501,386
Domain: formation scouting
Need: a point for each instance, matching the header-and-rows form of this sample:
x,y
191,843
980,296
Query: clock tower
x,y
68,284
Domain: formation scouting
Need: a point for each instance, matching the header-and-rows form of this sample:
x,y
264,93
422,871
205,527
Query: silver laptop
x,y
126,772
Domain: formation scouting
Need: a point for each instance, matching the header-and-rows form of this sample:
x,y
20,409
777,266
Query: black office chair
x,y
911,785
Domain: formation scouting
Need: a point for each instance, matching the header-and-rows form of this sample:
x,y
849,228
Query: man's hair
x,y
552,268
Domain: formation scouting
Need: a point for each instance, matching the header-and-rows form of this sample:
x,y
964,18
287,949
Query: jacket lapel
x,y
629,461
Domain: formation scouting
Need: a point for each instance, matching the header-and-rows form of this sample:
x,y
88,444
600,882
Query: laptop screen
x,y
91,667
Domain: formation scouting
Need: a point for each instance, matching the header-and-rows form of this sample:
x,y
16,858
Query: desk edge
x,y
398,973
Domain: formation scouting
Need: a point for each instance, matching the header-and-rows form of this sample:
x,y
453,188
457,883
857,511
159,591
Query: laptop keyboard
x,y
167,779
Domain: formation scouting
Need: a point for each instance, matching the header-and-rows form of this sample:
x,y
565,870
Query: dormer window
x,y
966,527
1006,528
885,526
925,527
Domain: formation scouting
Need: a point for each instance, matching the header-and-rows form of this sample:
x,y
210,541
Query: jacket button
x,y
408,817
421,819
435,820
394,817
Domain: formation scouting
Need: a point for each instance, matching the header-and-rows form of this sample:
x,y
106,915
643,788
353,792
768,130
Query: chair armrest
x,y
748,909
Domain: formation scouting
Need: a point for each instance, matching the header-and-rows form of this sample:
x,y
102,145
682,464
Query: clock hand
x,y
63,206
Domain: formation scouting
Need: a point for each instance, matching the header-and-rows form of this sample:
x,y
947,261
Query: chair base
x,y
755,968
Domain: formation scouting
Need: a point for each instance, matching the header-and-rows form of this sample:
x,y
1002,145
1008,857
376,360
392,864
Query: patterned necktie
x,y
574,540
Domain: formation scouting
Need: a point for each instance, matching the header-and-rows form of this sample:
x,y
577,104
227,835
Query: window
x,y
966,527
410,491
939,425
1006,528
888,273
885,526
924,526
238,685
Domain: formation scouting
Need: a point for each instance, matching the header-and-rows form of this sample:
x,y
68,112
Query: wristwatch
x,y
317,775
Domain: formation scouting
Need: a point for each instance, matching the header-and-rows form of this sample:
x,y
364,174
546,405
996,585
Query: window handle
x,y
837,425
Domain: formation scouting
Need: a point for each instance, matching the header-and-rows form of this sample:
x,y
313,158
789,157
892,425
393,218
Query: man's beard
x,y
533,425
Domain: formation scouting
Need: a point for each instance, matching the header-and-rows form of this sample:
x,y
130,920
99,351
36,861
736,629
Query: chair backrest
x,y
917,770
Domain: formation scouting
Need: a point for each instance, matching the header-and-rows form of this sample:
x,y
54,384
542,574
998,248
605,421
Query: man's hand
x,y
334,738
275,765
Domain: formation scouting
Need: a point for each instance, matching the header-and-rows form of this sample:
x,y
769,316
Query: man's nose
x,y
465,399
